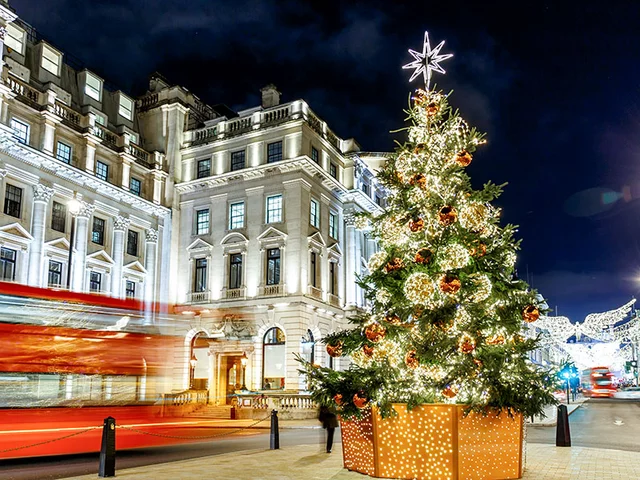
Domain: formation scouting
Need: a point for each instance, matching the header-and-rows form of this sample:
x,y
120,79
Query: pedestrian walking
x,y
329,422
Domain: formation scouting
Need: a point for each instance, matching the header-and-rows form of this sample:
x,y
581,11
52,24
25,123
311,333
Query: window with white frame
x,y
273,266
14,39
54,278
20,130
333,225
315,156
50,60
93,89
204,168
274,152
236,215
237,160
314,213
102,171
202,222
130,289
12,200
58,216
100,120
125,109
95,282
200,276
235,271
274,354
333,170
63,152
7,264
135,186
274,209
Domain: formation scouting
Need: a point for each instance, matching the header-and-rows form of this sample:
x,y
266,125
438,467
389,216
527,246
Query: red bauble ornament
x,y
393,319
423,256
335,349
495,340
411,359
432,109
450,391
418,179
450,284
393,265
375,332
479,251
467,346
447,215
416,225
367,350
338,399
530,314
360,400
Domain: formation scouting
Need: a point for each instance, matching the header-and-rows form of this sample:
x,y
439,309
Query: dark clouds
x,y
553,84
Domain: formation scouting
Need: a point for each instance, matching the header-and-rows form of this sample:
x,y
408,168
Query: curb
x,y
551,424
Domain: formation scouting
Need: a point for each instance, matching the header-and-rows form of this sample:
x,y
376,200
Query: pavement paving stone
x,y
310,462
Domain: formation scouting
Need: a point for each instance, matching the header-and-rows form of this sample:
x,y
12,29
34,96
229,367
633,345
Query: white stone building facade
x,y
241,220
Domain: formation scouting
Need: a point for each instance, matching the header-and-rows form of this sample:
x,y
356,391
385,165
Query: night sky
x,y
555,88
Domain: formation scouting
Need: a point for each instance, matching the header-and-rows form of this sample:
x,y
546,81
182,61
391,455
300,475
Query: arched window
x,y
308,347
274,356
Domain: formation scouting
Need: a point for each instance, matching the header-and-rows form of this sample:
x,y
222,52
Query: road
x,y
599,423
50,468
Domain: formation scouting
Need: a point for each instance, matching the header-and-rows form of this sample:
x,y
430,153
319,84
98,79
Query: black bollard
x,y
108,449
275,433
563,436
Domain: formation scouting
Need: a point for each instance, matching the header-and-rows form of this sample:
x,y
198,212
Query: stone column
x,y
90,154
350,260
120,226
41,196
81,237
125,180
150,260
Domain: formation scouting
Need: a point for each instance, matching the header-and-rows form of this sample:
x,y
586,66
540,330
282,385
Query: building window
x,y
55,274
333,170
333,278
125,108
365,188
379,200
13,201
314,155
314,213
132,243
58,217
20,130
274,354
235,271
8,264
50,60
274,209
200,282
63,152
202,222
102,171
313,271
273,266
95,282
204,168
274,152
14,39
237,160
333,225
100,120
236,215
97,232
93,89
135,186
130,289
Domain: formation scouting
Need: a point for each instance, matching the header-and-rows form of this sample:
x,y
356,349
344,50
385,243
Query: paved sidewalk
x,y
309,462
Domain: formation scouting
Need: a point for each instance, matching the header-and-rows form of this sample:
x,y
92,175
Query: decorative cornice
x,y
3,32
42,193
152,235
6,14
86,209
121,223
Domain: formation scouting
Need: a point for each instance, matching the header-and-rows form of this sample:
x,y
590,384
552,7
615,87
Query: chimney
x,y
270,96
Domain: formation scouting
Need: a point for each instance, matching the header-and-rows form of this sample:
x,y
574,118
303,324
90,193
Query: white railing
x,y
276,115
235,293
314,292
204,135
279,401
199,297
334,300
271,290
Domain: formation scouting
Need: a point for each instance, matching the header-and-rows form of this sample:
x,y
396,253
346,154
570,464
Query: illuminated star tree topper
x,y
427,61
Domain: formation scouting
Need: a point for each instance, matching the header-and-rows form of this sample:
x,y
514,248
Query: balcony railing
x,y
109,139
334,300
314,292
271,290
235,293
199,297
239,126
275,116
29,94
141,155
204,135
69,116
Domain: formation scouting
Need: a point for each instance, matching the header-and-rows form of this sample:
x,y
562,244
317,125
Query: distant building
x,y
243,220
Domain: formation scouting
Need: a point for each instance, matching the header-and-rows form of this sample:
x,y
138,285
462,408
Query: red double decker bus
x,y
68,360
598,382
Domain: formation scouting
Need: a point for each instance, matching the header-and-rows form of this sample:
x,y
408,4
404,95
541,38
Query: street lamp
x,y
74,209
192,362
243,361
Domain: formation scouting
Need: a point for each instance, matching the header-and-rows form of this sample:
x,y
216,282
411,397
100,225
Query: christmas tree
x,y
446,309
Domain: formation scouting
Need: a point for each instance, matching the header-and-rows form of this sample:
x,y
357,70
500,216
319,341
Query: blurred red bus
x,y
68,361
598,382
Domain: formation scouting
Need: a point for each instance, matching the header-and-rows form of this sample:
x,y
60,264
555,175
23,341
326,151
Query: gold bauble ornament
x,y
418,180
423,256
393,319
530,314
419,287
335,349
411,359
375,332
478,363
474,217
338,399
360,400
367,350
495,340
450,284
466,345
447,215
463,158
416,225
450,391
393,265
432,109
479,251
